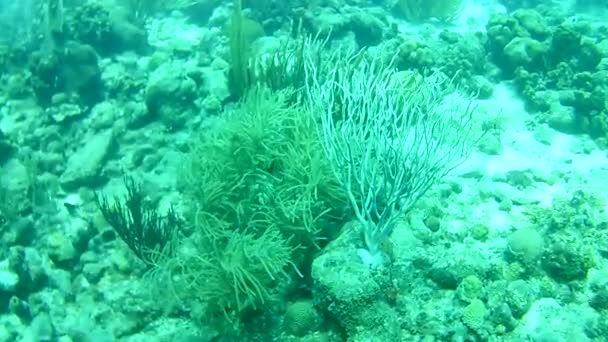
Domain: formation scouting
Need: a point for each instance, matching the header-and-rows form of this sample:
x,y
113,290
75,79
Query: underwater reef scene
x,y
304,171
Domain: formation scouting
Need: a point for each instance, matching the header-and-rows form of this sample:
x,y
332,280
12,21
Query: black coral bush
x,y
139,224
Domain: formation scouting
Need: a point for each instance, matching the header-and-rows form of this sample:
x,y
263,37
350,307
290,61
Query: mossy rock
x,y
567,262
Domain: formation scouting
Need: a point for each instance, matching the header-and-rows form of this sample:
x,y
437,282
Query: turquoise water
x,y
345,170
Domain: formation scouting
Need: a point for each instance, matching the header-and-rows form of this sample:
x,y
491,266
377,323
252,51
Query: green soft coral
x,y
230,277
262,199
